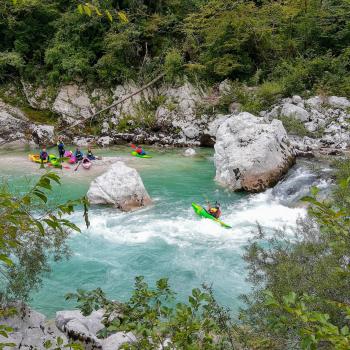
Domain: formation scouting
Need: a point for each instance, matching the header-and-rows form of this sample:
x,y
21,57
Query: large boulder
x,y
251,154
30,330
290,110
43,134
14,126
82,328
338,102
73,101
115,341
121,186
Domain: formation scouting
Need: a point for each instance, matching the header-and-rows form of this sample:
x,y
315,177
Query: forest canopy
x,y
301,45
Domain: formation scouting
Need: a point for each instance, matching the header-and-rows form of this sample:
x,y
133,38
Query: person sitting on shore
x,y
43,154
215,210
90,155
79,155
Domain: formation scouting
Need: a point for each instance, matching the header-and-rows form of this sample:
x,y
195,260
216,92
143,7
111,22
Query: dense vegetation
x,y
285,46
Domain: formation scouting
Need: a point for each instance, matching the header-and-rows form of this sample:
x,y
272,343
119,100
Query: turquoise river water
x,y
166,239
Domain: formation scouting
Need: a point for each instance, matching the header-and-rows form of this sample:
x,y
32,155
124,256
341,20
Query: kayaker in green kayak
x,y
140,151
214,210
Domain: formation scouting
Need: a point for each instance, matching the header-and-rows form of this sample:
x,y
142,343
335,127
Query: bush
x,y
173,65
31,231
294,126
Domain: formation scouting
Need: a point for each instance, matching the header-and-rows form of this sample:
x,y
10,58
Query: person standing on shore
x,y
60,146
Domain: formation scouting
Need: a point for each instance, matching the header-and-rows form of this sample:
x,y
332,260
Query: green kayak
x,y
135,154
204,214
55,161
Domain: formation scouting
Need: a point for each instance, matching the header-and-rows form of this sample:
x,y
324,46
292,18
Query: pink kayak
x,y
86,163
72,160
68,154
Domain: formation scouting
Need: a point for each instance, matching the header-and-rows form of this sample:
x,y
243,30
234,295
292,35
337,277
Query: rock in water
x,y
251,154
190,152
121,187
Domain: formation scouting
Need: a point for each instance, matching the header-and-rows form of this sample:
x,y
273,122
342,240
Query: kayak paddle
x,y
77,166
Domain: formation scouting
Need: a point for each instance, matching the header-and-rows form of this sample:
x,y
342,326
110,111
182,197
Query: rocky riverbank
x,y
31,330
161,115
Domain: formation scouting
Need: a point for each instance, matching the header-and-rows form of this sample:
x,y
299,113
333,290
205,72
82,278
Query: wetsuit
x,y
90,155
61,150
43,155
78,156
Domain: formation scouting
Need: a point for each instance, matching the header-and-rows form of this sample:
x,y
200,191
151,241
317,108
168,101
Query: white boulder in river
x,y
190,152
250,153
121,186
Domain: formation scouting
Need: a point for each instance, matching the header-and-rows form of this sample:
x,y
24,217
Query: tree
x,y
31,232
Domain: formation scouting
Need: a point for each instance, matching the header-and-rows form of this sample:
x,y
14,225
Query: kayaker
x,y
79,155
215,210
43,154
90,155
140,151
60,146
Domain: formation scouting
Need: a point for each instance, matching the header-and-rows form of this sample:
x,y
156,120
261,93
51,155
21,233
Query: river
x,y
166,239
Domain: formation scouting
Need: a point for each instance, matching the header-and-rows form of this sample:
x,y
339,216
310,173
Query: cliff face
x,y
167,115
164,115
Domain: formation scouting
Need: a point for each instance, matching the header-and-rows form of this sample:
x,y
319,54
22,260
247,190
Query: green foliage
x,y
294,126
32,231
10,62
143,117
159,323
314,327
314,262
288,47
173,65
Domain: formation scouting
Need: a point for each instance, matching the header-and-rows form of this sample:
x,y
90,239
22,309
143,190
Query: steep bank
x,y
161,114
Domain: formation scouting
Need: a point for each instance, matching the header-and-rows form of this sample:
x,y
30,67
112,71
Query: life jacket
x,y
43,155
78,154
216,212
60,146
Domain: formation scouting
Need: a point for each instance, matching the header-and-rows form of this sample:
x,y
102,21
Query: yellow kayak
x,y
36,158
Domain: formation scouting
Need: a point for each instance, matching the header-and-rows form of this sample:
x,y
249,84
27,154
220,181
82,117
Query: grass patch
x,y
41,117
295,126
144,117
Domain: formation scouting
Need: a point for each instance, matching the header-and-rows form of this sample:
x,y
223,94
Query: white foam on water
x,y
185,228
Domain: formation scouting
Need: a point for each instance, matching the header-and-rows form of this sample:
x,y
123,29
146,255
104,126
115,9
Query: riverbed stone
x,y
339,102
30,329
121,187
251,154
115,341
14,125
190,152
